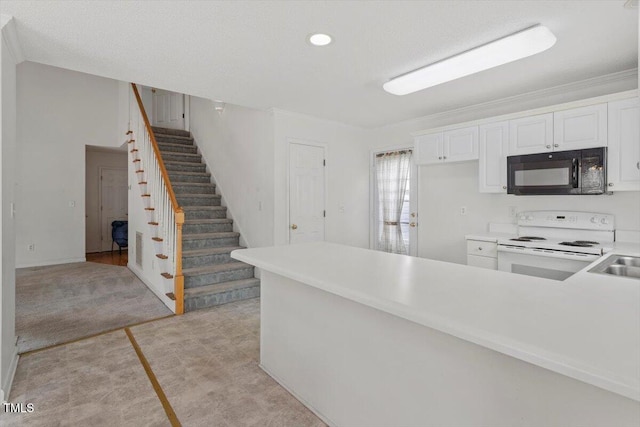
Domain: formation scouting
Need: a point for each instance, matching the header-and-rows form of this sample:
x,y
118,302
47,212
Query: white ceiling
x,y
255,53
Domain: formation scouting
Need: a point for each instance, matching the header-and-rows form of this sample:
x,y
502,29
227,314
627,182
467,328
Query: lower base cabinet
x,y
482,254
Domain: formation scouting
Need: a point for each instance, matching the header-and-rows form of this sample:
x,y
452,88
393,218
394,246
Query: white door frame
x,y
324,147
413,195
100,169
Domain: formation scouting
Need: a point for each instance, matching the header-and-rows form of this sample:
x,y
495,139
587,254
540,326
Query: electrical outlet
x,y
341,209
72,203
259,206
513,211
31,247
463,210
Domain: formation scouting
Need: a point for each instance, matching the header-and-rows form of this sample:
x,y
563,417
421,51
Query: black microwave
x,y
558,172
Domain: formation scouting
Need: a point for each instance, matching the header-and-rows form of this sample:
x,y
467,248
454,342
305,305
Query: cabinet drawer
x,y
477,247
482,261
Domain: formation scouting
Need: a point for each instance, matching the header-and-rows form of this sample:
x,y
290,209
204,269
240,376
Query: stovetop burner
x,y
579,243
527,239
590,242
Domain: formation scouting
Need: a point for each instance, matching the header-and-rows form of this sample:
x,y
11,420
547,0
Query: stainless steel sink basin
x,y
617,265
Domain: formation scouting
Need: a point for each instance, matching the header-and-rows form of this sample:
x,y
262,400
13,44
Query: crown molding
x,y
526,98
10,37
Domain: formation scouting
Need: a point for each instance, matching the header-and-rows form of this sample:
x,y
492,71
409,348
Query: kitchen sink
x,y
618,265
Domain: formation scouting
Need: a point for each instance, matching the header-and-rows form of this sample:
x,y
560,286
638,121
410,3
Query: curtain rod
x,y
394,153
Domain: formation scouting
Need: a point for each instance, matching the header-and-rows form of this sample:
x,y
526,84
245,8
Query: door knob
x,y
294,227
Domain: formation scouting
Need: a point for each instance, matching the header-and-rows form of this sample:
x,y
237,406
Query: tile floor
x,y
206,362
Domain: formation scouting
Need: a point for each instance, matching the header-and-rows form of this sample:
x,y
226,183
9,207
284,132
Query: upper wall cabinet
x,y
578,128
493,151
451,146
623,172
533,134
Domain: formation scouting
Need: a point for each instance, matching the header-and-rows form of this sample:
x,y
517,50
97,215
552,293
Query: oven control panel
x,y
567,219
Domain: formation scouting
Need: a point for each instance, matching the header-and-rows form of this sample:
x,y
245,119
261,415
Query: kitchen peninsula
x,y
377,339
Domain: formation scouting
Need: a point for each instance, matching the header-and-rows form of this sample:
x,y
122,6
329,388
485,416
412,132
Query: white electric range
x,y
556,244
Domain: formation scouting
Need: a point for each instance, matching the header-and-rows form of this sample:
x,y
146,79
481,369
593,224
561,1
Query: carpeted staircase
x,y
211,277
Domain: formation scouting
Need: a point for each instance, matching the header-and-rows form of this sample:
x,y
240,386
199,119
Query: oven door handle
x,y
575,171
548,253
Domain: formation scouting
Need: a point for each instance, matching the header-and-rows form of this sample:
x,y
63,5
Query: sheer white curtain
x,y
392,172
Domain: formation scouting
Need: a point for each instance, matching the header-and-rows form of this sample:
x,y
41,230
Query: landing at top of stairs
x,y
167,131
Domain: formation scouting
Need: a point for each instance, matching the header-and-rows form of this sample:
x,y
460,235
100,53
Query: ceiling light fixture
x,y
507,49
319,39
219,106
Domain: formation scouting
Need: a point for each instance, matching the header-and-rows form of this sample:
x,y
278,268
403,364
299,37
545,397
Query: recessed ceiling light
x,y
319,39
502,51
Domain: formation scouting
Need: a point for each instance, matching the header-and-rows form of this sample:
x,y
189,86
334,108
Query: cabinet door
x,y
530,135
429,148
493,150
623,163
579,128
461,144
483,262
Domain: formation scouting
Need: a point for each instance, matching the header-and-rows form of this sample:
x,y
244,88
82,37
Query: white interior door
x,y
306,193
113,201
168,109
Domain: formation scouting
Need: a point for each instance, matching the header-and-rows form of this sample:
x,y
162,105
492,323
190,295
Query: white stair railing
x,y
164,213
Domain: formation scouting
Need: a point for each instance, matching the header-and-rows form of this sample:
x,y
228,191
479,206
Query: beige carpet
x,y
61,303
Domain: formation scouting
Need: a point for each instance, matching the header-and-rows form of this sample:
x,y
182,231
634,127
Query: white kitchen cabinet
x,y
451,146
623,163
533,134
493,150
483,254
461,144
579,128
429,148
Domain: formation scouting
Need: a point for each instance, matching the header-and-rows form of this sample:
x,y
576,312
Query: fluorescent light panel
x,y
507,49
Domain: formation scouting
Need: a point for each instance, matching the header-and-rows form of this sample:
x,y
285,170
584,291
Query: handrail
x,y
176,220
156,149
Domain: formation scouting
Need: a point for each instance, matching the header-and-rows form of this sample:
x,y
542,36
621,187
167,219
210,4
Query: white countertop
x,y
489,236
586,327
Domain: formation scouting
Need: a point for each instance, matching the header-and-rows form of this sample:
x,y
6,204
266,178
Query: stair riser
x,y
205,260
191,189
206,228
190,244
198,201
192,149
177,177
203,301
206,214
195,167
175,157
179,132
222,276
170,140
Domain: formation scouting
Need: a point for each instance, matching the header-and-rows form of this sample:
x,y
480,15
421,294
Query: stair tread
x,y
210,251
209,221
203,195
218,235
199,208
177,153
195,184
216,268
168,135
189,173
173,144
221,287
178,162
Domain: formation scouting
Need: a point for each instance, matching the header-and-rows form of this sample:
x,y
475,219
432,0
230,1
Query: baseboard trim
x,y
163,297
310,407
5,393
52,262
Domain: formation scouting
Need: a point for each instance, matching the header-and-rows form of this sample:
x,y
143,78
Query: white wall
x,y
237,146
97,158
59,112
8,350
347,220
444,189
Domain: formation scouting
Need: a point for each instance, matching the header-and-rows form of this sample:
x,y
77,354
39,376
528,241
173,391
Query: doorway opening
x,y
394,187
